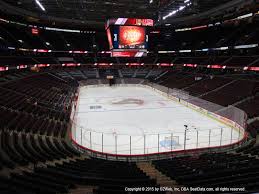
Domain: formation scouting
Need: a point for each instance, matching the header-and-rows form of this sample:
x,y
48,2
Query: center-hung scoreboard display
x,y
128,37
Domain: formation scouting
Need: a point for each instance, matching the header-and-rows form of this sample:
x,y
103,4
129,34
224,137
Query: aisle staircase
x,y
80,189
135,73
244,100
30,167
161,179
217,89
120,74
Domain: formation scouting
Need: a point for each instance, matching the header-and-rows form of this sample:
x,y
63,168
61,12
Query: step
x,y
83,190
161,179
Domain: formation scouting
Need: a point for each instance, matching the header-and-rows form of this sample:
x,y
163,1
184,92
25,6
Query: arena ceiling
x,y
99,10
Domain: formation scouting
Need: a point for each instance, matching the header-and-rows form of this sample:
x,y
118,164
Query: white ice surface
x,y
108,117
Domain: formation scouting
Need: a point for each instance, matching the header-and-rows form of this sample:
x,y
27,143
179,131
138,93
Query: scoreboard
x,y
128,37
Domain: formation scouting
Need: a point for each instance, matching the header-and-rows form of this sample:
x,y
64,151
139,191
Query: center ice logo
x,y
128,101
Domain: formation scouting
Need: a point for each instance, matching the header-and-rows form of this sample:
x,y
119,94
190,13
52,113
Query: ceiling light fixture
x,y
186,4
40,5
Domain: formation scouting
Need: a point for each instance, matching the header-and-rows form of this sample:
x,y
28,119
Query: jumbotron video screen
x,y
132,37
128,37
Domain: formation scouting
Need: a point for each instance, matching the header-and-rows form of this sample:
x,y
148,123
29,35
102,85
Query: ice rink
x,y
139,120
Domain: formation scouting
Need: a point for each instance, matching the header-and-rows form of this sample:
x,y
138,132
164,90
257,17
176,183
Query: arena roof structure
x,y
94,12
